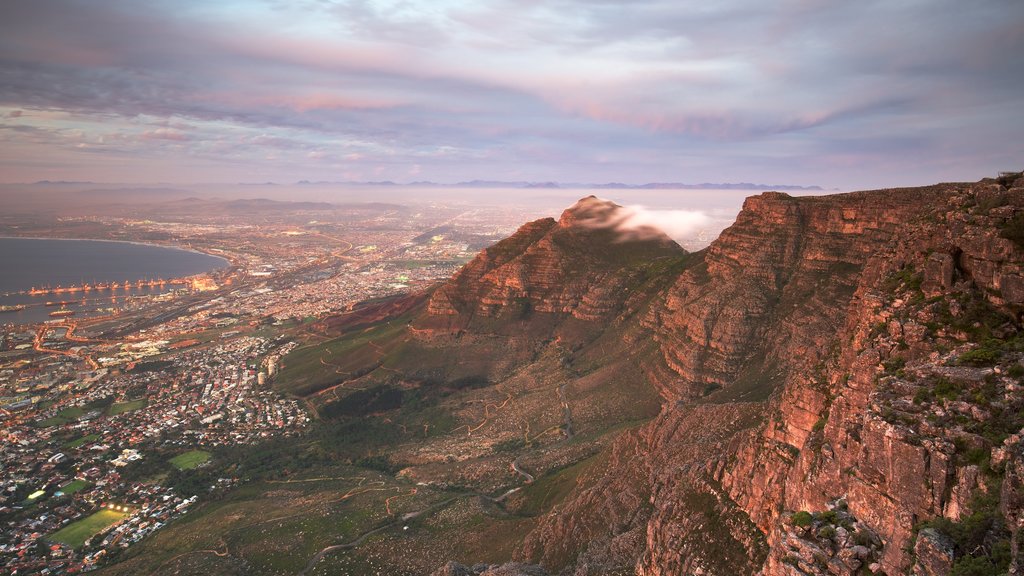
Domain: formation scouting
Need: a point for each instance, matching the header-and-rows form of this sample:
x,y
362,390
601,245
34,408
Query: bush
x,y
975,566
923,395
894,365
946,389
511,445
1013,230
983,356
802,519
380,463
863,538
828,516
981,540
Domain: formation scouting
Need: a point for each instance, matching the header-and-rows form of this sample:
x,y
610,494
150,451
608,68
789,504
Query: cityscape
x,y
104,409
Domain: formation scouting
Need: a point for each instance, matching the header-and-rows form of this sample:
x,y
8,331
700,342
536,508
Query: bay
x,y
27,263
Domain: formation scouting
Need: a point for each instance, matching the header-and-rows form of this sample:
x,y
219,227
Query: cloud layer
x,y
851,95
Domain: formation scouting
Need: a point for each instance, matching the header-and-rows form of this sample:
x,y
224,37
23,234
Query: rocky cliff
x,y
554,284
834,386
842,396
581,265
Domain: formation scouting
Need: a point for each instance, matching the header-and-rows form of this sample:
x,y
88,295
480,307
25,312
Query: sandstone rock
x,y
934,554
1012,506
786,329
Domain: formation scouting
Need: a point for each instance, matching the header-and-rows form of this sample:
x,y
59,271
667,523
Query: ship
x,y
12,307
62,313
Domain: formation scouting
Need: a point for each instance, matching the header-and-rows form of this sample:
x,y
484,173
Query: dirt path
x,y
527,477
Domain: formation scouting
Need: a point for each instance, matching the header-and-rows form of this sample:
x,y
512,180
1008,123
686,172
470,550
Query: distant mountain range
x,y
584,185
501,184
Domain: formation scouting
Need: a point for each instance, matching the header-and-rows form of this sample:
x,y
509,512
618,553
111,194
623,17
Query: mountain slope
x,y
832,387
884,326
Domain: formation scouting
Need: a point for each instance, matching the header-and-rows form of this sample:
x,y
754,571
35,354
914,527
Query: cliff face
x,y
564,282
839,381
839,373
917,400
578,266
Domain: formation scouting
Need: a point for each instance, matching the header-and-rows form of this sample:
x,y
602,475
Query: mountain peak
x,y
593,212
626,223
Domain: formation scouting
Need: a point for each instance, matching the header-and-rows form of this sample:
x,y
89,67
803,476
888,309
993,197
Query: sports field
x,y
190,459
76,533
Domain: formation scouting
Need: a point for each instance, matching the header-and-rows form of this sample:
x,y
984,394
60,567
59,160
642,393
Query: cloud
x,y
637,222
837,94
165,134
677,224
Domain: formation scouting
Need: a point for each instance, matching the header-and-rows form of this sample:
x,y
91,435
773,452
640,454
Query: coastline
x,y
135,242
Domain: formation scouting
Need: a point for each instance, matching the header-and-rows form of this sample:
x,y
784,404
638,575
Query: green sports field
x,y
190,459
76,533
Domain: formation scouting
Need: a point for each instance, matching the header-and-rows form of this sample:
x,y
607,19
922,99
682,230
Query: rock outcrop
x,y
581,266
840,382
877,334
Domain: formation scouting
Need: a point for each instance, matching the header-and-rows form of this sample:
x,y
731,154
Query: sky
x,y
848,95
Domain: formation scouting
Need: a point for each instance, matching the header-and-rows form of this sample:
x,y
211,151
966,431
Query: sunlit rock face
x,y
852,357
581,265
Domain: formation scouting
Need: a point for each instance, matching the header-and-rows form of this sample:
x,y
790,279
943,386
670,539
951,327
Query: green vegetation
x,y
363,402
89,438
946,389
1013,229
905,280
981,540
314,367
74,486
551,489
509,446
63,417
128,406
978,319
985,355
76,533
73,413
802,519
190,459
151,366
894,366
380,463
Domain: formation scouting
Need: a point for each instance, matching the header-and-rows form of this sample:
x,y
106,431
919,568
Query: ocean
x,y
27,263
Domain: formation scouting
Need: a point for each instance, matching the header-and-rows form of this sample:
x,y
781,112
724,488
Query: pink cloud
x,y
165,134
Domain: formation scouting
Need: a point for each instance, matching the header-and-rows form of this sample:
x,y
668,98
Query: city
x,y
111,415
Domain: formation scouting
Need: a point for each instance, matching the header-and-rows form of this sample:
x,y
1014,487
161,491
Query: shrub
x,y
894,365
828,516
983,356
802,519
975,566
1013,230
981,540
510,445
922,395
863,538
946,389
